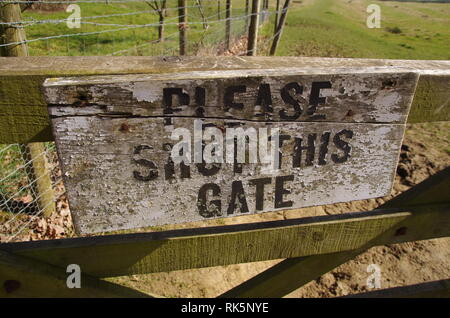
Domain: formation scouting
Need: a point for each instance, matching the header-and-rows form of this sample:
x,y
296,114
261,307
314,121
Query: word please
x,y
263,98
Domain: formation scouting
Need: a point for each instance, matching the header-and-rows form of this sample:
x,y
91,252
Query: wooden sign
x,y
340,133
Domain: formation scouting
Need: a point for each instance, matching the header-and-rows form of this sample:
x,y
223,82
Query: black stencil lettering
x,y
237,192
264,98
168,92
288,99
207,172
200,96
343,145
185,171
200,101
204,168
310,150
169,167
200,112
280,191
260,183
153,172
228,99
202,201
169,170
325,139
237,167
315,99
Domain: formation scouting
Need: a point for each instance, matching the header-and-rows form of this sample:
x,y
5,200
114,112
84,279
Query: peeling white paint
x,y
98,154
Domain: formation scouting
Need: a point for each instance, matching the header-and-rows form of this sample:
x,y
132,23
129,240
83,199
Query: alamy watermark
x,y
374,279
74,278
74,20
211,145
374,18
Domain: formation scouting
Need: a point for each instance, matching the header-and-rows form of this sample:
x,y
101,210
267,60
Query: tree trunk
x,y
161,26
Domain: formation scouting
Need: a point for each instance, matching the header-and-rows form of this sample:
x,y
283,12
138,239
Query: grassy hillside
x,y
409,30
113,34
337,28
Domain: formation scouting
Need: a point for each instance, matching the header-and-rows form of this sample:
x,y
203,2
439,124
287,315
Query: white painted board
x,y
342,136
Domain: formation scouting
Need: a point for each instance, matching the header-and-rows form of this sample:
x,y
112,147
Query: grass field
x,y
119,36
337,28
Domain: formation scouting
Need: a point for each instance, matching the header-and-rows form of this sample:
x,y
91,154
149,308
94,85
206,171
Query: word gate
x,y
338,137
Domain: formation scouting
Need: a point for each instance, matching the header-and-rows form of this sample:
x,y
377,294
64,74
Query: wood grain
x,y
99,164
341,135
117,255
278,280
381,97
21,277
24,116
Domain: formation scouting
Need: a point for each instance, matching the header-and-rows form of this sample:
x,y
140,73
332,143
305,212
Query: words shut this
x,y
144,150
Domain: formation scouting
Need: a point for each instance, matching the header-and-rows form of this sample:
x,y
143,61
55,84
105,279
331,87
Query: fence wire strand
x,y
124,27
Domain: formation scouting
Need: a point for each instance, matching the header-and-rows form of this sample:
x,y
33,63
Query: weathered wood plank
x,y
203,247
21,277
291,274
340,136
23,111
107,188
258,95
431,100
24,115
53,66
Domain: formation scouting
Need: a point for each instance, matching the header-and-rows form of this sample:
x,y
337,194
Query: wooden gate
x,y
76,90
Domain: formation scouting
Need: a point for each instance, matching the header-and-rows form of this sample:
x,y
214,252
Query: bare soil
x,y
425,151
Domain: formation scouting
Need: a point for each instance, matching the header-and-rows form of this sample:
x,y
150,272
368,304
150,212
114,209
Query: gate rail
x,y
312,246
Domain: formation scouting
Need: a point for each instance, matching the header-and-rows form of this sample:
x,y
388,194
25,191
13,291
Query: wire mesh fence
x,y
22,211
136,27
106,28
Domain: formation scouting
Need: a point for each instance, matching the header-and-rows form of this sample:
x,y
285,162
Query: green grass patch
x,y
116,36
337,28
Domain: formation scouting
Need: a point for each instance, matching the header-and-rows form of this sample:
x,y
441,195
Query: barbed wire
x,y
142,45
32,22
123,27
167,37
83,1
20,195
57,21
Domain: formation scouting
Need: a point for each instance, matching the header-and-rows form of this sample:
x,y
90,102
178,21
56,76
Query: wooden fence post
x,y
11,13
246,14
39,176
182,25
279,28
253,30
228,25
